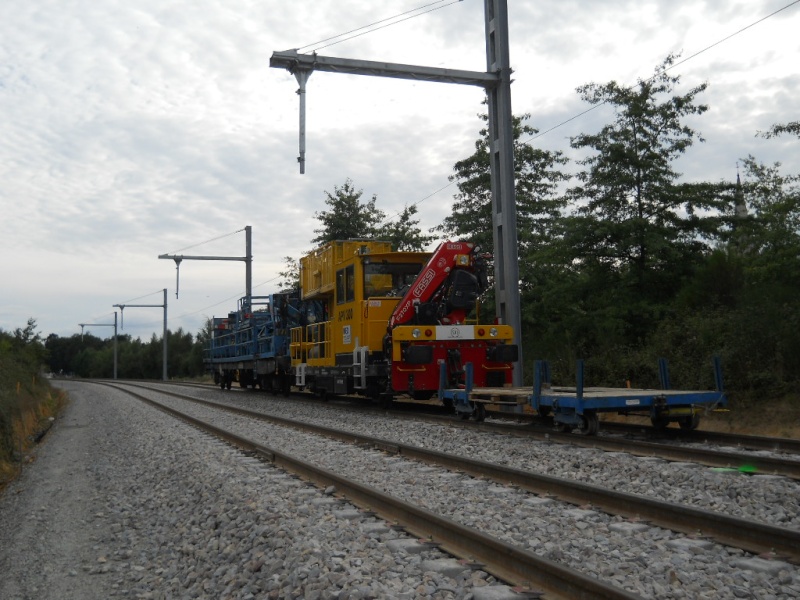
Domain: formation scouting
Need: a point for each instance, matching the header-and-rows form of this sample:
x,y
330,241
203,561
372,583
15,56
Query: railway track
x,y
742,533
652,446
727,459
504,560
631,434
732,440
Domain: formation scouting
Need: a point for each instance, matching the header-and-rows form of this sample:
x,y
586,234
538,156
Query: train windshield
x,y
389,279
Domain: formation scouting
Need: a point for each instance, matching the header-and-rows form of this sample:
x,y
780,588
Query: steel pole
x,y
115,345
165,335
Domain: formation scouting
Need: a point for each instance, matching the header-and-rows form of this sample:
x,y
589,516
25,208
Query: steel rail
x,y
759,538
751,442
747,463
505,561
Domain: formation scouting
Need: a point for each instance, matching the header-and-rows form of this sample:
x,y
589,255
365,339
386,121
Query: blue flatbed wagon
x,y
251,345
578,407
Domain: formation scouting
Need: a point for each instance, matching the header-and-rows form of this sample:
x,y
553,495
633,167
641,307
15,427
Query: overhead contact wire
x,y
333,37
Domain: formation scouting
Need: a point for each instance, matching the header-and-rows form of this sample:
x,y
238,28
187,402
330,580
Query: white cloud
x,y
134,129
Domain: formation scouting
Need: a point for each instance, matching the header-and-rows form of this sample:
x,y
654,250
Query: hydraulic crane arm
x,y
445,290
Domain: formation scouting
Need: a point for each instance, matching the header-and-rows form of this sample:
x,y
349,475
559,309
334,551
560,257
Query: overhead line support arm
x,y
295,62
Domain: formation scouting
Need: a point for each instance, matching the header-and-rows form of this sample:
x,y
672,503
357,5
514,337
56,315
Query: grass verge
x,y
28,404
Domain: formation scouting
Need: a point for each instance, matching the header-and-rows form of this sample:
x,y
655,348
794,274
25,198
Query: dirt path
x,y
43,555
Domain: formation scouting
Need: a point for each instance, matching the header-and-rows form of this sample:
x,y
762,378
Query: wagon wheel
x,y
464,416
689,423
386,400
589,424
563,427
480,412
659,423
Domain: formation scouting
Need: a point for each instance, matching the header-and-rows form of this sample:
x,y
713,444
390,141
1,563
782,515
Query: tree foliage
x,y
537,177
89,356
404,232
632,214
348,217
28,341
793,127
770,237
290,276
634,233
632,263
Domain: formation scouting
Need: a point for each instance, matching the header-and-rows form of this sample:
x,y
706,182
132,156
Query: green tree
x,y
637,233
778,129
404,232
62,351
742,303
29,341
348,217
632,212
185,356
537,177
28,335
290,276
770,238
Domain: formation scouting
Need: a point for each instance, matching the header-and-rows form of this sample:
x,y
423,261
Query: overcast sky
x,y
133,129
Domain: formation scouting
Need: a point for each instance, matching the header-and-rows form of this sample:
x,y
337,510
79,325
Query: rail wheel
x,y
659,423
563,427
480,412
285,383
589,424
689,423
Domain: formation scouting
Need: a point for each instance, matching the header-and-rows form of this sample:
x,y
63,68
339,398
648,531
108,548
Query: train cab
x,y
349,291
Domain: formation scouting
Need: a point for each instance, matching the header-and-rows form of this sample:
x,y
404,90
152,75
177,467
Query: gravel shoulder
x,y
48,516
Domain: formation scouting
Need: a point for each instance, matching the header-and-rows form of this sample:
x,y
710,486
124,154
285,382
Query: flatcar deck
x,y
579,406
594,398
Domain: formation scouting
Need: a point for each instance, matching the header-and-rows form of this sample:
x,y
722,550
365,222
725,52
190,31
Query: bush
x,y
26,404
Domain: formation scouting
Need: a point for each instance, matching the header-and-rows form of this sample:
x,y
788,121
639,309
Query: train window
x,y
350,283
345,285
389,279
340,286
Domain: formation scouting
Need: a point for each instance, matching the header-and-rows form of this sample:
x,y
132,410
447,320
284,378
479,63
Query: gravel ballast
x,y
123,501
763,497
649,561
